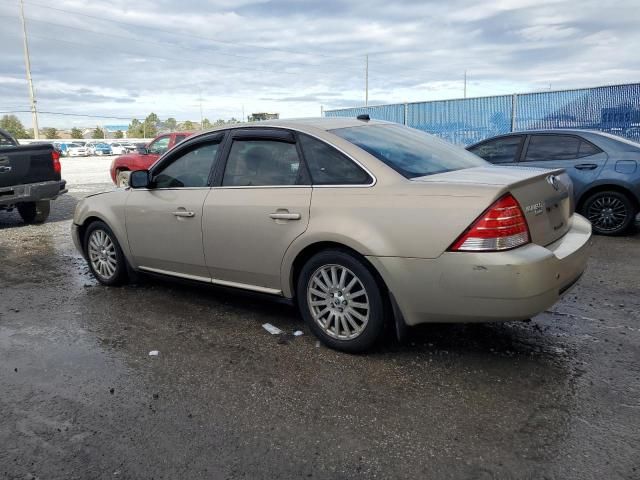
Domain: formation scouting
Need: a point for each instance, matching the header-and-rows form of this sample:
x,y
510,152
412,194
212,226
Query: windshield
x,y
408,151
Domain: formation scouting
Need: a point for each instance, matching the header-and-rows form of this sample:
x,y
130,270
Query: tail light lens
x,y
501,227
55,159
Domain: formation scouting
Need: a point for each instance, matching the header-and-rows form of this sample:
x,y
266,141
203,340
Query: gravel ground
x,y
80,398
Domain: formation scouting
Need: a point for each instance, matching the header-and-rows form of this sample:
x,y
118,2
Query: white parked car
x,y
118,148
75,150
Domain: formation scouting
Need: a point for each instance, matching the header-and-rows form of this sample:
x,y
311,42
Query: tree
x,y
150,126
188,125
171,123
206,124
76,133
98,133
50,133
119,134
13,125
135,129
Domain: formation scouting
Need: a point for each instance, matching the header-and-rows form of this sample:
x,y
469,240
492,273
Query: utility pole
x,y
201,116
243,119
366,80
322,110
27,64
465,84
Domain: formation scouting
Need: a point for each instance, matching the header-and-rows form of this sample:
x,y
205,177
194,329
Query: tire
x,y
34,212
610,212
339,320
104,255
122,178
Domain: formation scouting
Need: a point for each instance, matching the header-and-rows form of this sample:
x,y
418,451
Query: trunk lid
x,y
545,195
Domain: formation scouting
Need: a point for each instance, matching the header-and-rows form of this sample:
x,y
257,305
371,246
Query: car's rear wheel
x,y
341,301
122,178
34,212
105,257
610,212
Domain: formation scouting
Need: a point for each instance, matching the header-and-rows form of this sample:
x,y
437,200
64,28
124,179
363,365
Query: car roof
x,y
301,124
601,139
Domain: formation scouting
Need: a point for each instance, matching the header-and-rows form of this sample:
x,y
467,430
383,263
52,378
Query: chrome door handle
x,y
5,169
586,166
184,213
285,216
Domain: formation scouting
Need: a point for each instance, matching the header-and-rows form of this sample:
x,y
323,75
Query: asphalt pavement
x,y
557,397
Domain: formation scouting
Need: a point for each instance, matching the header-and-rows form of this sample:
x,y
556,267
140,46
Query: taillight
x,y
501,227
55,159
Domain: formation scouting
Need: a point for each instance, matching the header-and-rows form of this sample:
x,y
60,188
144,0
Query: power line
x,y
214,40
152,42
65,114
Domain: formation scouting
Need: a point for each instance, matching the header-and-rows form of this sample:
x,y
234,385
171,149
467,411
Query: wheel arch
x,y
603,187
310,250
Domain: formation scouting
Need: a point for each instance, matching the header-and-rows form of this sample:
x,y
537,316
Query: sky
x,y
124,59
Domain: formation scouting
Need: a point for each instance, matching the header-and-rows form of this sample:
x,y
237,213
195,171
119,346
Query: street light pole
x,y
27,64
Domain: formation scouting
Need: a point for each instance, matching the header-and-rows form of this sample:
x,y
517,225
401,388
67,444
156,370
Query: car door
x,y
582,160
164,221
259,206
502,150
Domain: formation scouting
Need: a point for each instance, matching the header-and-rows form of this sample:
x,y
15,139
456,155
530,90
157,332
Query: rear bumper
x,y
32,192
484,287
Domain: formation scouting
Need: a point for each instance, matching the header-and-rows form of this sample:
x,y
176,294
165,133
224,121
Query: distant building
x,y
256,117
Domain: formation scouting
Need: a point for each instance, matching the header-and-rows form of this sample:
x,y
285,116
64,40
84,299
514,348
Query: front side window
x,y
160,146
552,147
330,167
180,138
410,152
261,163
500,150
191,169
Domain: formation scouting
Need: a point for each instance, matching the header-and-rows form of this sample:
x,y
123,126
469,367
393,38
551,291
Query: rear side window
x,y
587,149
180,138
500,150
330,167
261,163
5,141
552,147
410,152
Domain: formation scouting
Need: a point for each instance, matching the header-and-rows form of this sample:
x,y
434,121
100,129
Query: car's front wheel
x,y
341,301
610,212
105,257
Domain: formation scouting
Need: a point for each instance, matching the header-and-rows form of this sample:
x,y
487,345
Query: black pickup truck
x,y
29,178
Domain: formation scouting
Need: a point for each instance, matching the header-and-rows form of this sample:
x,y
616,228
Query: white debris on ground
x,y
297,333
154,353
273,330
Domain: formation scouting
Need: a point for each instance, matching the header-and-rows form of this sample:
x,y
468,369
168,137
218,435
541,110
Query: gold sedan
x,y
361,222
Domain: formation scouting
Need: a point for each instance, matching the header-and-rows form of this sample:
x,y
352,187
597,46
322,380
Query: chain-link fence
x,y
614,109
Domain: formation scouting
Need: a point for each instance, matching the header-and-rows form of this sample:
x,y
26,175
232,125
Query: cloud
x,y
291,56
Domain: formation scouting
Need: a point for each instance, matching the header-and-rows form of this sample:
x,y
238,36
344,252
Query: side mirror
x,y
140,179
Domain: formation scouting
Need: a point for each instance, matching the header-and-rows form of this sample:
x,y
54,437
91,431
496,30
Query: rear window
x,y
410,152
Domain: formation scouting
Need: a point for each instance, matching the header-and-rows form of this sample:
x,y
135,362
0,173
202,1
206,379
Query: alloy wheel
x,y
102,254
338,302
608,213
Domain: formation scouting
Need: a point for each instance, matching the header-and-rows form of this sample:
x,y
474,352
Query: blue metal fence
x,y
614,109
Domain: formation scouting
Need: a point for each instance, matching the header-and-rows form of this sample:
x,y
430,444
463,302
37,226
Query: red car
x,y
123,165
